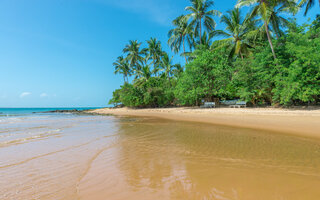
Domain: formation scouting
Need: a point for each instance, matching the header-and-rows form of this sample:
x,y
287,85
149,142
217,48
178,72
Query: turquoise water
x,y
29,111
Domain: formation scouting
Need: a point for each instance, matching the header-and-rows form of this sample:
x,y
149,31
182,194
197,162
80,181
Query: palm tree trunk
x,y
124,78
184,50
269,39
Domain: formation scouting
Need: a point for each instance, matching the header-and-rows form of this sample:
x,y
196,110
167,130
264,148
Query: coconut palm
x,y
308,3
168,67
202,15
122,67
144,73
181,33
154,52
178,69
276,20
134,54
238,32
264,9
206,40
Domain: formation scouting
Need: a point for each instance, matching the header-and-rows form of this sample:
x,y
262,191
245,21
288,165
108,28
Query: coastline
x,y
298,122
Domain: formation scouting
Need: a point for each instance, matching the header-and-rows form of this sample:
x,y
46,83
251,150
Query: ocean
x,y
29,111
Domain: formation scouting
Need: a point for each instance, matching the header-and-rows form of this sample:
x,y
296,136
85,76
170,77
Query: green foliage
x,y
153,92
239,33
115,97
293,78
242,66
298,80
131,96
253,78
207,77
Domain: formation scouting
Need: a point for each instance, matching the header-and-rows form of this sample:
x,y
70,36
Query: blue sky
x,y
59,53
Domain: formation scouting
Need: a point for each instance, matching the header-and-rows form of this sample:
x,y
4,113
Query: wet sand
x,y
296,122
142,158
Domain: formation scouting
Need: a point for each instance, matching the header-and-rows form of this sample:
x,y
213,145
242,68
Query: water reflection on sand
x,y
159,159
97,157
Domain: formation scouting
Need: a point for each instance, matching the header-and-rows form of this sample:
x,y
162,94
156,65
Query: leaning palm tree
x,y
263,9
308,3
181,33
134,55
122,67
238,32
202,15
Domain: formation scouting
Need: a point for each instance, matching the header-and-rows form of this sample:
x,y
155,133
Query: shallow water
x,y
103,157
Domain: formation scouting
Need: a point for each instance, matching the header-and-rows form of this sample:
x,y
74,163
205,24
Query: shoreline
x,y
297,122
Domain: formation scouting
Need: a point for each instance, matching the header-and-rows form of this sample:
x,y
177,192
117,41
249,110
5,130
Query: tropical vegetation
x,y
263,57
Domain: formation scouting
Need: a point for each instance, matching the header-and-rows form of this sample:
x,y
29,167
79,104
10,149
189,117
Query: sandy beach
x,y
302,122
77,156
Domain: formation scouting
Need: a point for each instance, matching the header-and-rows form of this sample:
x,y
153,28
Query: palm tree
x,y
206,40
201,14
276,20
178,35
154,53
264,9
308,3
168,67
144,73
178,69
134,54
122,67
238,31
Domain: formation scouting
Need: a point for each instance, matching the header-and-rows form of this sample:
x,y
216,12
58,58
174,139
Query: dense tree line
x,y
264,58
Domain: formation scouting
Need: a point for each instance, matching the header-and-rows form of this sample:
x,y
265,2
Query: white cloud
x,y
24,94
43,95
159,11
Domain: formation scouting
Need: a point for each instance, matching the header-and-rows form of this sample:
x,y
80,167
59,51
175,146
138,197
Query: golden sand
x,y
298,122
142,158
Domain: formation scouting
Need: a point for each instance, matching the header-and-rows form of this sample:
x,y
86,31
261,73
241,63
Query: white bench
x,y
239,104
208,105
